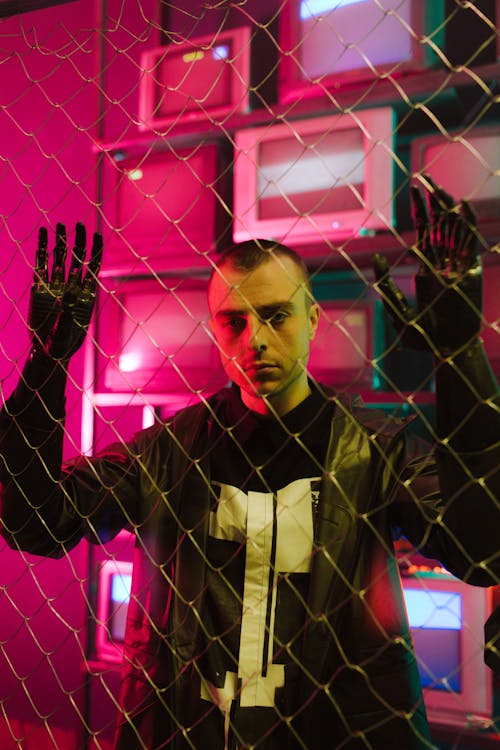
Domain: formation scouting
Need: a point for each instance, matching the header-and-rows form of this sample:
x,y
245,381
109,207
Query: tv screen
x,y
156,338
119,596
288,164
163,208
330,42
114,582
341,349
436,619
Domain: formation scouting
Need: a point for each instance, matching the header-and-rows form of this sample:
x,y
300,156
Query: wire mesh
x,y
266,607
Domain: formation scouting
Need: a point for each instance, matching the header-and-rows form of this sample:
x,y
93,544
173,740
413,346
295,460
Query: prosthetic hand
x,y
447,319
60,309
448,285
58,319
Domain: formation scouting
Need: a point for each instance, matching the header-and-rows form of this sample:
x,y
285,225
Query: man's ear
x,y
314,314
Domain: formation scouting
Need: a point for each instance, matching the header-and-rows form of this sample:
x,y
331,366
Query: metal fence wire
x,y
312,570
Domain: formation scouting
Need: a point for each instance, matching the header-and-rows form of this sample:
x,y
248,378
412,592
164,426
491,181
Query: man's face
x,y
263,324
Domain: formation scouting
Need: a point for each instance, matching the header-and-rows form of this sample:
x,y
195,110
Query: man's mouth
x,y
260,368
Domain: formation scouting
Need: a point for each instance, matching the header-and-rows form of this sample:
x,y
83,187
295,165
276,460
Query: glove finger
x,y
457,243
469,249
435,213
452,240
392,296
94,265
41,267
450,229
59,255
78,255
443,209
444,200
426,253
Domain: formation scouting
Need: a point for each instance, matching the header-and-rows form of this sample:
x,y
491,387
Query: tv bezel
x,y
422,143
377,127
239,100
150,250
106,649
473,704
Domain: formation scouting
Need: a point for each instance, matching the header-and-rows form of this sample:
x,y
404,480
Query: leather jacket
x,y
359,674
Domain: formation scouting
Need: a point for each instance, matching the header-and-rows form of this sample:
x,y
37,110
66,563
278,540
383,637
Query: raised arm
x,y
447,318
447,321
36,512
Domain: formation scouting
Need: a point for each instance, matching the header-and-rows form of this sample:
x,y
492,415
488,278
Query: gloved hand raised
x,y
60,308
448,284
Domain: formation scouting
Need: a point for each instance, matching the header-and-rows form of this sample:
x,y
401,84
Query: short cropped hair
x,y
249,255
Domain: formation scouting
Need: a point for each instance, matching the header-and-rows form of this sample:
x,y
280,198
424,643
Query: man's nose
x,y
257,334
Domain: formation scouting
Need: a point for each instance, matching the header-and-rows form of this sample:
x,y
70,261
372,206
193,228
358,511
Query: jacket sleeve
x,y
446,504
46,508
451,500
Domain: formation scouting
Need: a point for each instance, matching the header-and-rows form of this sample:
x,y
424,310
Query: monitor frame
x,y
458,147
150,95
425,18
376,128
106,649
473,705
173,231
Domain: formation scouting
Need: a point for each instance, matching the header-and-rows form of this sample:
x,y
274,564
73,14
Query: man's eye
x,y
278,318
235,324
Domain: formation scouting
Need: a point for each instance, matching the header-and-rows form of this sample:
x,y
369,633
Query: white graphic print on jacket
x,y
277,529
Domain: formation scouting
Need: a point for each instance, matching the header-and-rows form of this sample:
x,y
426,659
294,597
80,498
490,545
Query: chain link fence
x,y
174,129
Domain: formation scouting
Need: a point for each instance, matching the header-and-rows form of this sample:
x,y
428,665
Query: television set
x,y
341,350
189,79
447,619
153,338
114,579
324,178
466,164
163,208
330,43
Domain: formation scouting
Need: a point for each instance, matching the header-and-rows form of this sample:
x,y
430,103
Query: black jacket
x,y
358,671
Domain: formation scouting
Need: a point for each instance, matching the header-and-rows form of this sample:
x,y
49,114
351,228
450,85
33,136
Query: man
x,y
266,608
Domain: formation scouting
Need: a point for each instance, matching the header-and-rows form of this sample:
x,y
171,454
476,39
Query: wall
x,y
50,116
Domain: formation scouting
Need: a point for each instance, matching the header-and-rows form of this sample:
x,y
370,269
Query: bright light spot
x,y
221,52
433,609
148,416
120,588
129,362
193,56
135,174
310,8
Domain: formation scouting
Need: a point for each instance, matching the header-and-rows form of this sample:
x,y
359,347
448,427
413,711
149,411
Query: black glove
x,y
60,310
448,284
